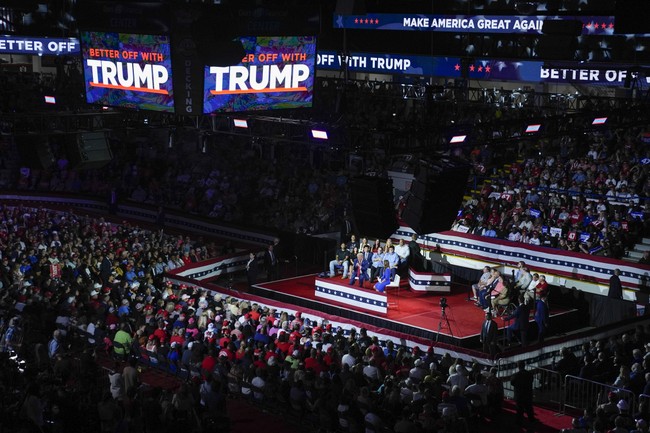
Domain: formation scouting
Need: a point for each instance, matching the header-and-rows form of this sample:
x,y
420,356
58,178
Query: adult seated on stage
x,y
542,289
359,270
485,294
529,293
384,280
353,243
363,242
340,262
523,280
402,250
482,282
501,293
377,264
393,260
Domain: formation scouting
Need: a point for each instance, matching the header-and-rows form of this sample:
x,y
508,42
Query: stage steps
x,y
636,253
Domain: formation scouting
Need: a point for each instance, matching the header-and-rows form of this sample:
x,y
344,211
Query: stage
x,y
408,313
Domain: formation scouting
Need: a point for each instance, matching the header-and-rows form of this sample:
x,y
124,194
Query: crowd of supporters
x,y
78,290
588,198
232,186
591,187
621,363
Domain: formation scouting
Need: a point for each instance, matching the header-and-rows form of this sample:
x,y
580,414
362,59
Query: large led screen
x,y
275,73
128,70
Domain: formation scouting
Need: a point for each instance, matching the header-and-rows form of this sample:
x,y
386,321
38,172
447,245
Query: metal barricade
x,y
547,388
583,394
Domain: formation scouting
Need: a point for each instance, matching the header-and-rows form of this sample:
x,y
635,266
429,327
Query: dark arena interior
x,y
324,216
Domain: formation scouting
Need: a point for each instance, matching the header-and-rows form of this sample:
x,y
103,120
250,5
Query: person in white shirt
x,y
457,378
402,250
529,294
534,239
482,282
349,358
514,235
478,389
418,372
523,279
371,372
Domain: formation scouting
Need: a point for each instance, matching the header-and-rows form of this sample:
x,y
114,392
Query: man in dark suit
x,y
522,383
615,287
489,335
541,318
521,317
271,263
416,259
106,267
360,268
251,269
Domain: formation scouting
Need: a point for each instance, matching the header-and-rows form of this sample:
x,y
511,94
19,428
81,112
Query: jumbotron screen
x,y
275,73
128,70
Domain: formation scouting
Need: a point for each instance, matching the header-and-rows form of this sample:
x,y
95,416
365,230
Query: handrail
x,y
580,393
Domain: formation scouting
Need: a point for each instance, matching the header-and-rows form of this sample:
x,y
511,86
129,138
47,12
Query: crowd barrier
x,y
583,394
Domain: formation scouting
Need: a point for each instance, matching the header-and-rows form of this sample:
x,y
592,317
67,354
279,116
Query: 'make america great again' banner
x,y
481,69
594,25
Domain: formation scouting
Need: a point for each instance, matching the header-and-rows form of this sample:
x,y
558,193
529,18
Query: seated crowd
x,y
229,187
592,202
304,191
622,362
215,346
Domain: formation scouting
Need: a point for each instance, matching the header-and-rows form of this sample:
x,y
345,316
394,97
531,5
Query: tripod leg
x,y
449,326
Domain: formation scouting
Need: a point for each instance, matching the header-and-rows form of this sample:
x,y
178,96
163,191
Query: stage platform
x,y
408,313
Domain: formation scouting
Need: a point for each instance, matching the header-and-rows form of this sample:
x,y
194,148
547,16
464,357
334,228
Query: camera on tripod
x,y
443,303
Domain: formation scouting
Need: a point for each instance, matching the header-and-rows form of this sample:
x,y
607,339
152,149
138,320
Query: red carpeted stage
x,y
408,313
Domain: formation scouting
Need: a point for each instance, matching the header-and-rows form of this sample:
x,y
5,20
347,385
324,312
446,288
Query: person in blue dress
x,y
384,280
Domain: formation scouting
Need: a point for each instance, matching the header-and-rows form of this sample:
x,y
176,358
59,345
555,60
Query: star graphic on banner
x,y
471,68
611,25
487,69
603,26
356,20
366,20
457,67
480,69
377,21
589,25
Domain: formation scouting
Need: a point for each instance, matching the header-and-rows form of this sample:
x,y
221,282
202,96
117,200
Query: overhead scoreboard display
x,y
128,70
276,73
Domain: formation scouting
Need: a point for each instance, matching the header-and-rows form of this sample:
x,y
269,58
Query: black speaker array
x,y
34,150
350,7
434,198
559,39
372,207
631,17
